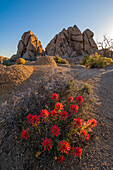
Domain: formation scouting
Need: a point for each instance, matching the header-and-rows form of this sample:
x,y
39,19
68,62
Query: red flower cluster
x,y
33,119
64,115
84,135
47,143
70,99
92,122
79,99
55,130
54,114
61,123
59,106
44,114
74,108
25,134
55,96
64,146
77,151
78,122
61,159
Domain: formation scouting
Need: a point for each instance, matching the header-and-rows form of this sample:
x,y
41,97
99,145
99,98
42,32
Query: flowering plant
x,y
60,131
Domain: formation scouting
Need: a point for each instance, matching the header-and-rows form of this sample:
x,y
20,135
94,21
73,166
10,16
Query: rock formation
x,y
72,43
28,47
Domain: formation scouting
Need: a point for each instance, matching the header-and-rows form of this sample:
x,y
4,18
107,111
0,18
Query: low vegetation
x,y
20,61
59,130
60,60
96,61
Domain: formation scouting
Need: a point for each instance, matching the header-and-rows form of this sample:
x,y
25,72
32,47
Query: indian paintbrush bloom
x,y
55,130
64,146
70,99
47,143
44,114
29,117
78,122
79,99
74,108
61,159
59,106
54,114
55,96
84,134
77,151
35,119
64,115
25,134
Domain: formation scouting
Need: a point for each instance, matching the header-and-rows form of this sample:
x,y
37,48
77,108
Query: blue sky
x,y
45,18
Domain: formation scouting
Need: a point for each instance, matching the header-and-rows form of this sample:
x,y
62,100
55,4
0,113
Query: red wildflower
x,y
55,96
74,107
47,143
29,117
59,106
25,134
64,115
77,151
78,122
87,137
79,99
84,135
92,122
70,99
61,159
55,130
44,114
35,119
54,114
83,132
64,146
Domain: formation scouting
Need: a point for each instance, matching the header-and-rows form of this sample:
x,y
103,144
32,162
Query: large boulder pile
x,y
72,43
28,47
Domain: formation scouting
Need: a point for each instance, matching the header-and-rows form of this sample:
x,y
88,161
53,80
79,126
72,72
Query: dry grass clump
x,y
20,61
45,60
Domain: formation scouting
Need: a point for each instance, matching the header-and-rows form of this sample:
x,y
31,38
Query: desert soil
x,y
99,153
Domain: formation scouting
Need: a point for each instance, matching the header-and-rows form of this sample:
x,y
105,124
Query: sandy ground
x,y
100,153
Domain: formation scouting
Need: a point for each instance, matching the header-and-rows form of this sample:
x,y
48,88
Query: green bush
x,y
60,60
96,61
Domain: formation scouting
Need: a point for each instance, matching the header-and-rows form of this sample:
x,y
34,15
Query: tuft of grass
x,y
60,60
96,61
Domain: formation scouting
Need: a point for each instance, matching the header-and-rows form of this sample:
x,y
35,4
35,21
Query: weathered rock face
x,y
28,47
72,43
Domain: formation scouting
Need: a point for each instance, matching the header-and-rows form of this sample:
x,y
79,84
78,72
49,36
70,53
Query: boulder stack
x,y
72,43
28,47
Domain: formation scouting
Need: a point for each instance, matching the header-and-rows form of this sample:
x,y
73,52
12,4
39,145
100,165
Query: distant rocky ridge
x,y
68,43
72,43
28,47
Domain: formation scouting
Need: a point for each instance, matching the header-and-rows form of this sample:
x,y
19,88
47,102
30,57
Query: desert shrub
x,y
20,61
96,61
60,60
59,130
